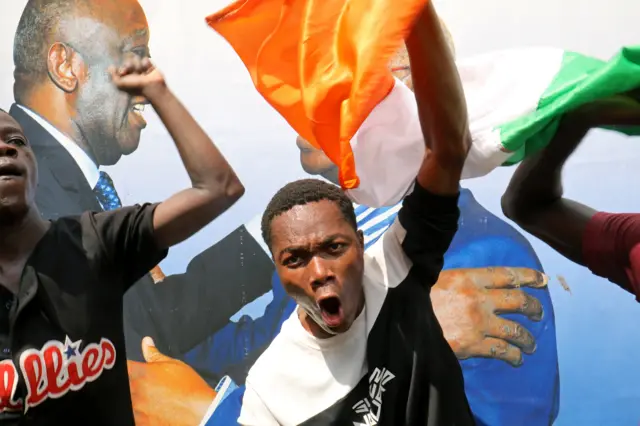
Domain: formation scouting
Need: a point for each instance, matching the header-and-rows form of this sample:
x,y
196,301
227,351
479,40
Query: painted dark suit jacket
x,y
182,310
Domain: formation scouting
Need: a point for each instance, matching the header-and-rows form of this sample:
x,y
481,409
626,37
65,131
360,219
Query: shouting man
x,y
364,344
78,122
63,281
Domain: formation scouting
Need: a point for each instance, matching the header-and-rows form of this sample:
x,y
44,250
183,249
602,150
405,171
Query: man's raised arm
x,y
214,185
429,216
441,105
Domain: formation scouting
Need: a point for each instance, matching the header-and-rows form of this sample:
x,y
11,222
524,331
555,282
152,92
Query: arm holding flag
x,y
324,68
606,243
441,105
534,196
429,216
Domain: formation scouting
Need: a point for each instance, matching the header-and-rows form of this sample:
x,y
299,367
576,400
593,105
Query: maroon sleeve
x,y
611,249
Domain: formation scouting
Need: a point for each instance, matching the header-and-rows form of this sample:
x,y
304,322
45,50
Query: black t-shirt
x,y
6,302
67,361
393,367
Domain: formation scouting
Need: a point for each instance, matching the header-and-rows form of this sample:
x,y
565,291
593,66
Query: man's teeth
x,y
138,108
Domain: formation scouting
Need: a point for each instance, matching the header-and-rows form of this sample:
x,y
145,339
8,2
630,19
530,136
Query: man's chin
x,y
129,151
12,209
329,172
129,147
331,175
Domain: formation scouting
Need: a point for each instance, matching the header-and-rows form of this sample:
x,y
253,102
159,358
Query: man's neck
x,y
54,109
64,133
18,238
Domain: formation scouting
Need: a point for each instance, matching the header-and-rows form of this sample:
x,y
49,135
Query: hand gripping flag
x,y
323,65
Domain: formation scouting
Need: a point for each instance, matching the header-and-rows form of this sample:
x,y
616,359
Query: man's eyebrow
x,y
129,41
293,249
327,240
11,131
334,237
140,32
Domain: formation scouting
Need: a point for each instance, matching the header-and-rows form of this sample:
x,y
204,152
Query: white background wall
x,y
597,324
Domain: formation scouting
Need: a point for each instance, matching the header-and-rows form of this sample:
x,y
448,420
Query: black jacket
x,y
182,310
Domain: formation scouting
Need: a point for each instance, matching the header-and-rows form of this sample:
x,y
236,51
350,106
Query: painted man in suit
x,y
76,122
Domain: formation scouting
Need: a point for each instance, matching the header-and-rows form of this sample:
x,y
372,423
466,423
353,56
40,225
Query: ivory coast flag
x,y
323,66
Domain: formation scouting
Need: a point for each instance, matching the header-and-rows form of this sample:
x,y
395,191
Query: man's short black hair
x,y
40,18
301,192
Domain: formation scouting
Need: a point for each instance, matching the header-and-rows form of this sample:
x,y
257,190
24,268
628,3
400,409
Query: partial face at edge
x,y
315,162
319,258
18,172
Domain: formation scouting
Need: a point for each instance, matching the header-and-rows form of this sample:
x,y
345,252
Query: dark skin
x,y
442,108
467,302
534,198
76,95
21,226
318,254
215,186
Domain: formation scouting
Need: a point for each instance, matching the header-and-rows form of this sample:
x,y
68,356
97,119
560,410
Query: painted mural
x,y
567,347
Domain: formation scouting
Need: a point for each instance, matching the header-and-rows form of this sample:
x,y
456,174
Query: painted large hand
x,y
468,304
166,391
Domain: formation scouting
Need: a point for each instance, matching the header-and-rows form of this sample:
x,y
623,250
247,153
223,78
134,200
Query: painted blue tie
x,y
108,198
106,193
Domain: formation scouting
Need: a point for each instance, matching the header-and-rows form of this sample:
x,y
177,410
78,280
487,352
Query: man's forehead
x,y
306,223
8,124
125,17
123,12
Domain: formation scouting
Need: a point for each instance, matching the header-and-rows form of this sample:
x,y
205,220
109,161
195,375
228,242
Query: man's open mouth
x,y
137,109
331,311
10,170
135,115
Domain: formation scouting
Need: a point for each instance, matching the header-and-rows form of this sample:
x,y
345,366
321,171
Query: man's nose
x,y
7,150
319,272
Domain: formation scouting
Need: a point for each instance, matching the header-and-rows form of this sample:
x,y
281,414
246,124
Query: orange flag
x,y
322,64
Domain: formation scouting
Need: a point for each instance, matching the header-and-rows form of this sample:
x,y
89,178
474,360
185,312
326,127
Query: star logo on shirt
x,y
71,348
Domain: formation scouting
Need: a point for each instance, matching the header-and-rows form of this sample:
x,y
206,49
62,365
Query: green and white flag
x,y
515,99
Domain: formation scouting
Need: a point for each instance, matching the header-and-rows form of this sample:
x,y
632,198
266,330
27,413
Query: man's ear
x,y
62,67
361,237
